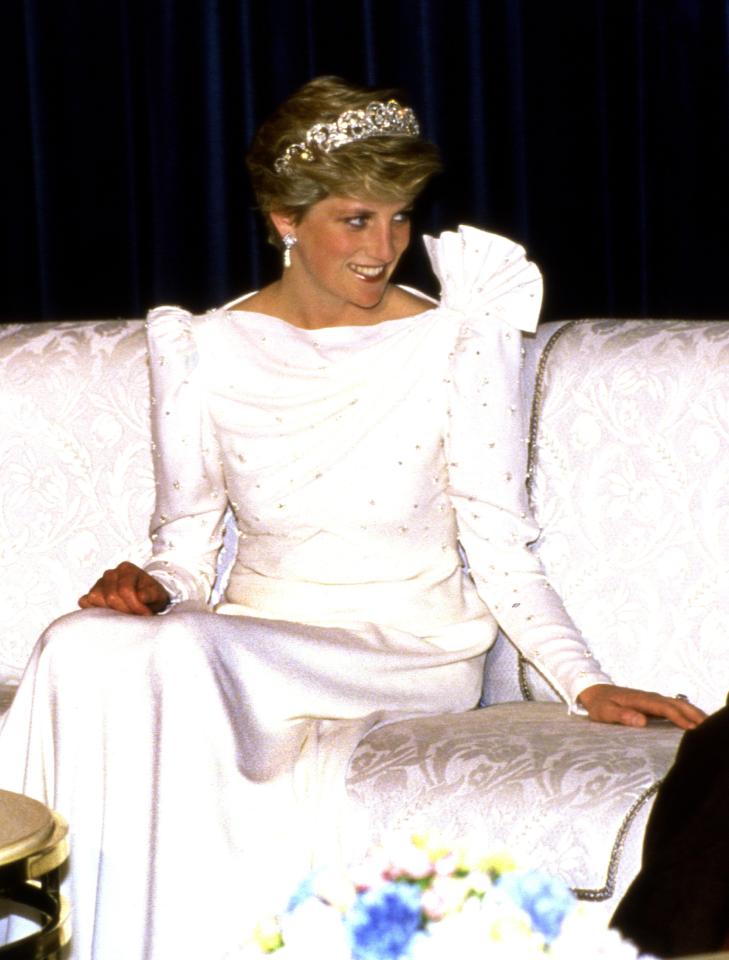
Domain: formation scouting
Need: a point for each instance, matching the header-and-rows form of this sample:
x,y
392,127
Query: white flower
x,y
408,859
480,929
445,866
445,895
506,924
334,887
313,929
584,933
454,909
370,871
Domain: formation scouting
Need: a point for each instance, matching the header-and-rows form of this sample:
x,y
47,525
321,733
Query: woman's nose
x,y
382,244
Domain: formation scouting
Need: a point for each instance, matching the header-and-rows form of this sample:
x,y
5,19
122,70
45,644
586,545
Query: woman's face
x,y
347,249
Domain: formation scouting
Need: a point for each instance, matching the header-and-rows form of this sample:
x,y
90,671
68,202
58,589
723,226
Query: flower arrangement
x,y
424,900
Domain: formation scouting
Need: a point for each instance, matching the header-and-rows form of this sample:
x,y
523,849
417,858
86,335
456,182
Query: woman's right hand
x,y
128,589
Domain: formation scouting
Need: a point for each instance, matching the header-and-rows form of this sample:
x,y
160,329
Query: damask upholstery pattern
x,y
630,454
558,792
630,459
77,488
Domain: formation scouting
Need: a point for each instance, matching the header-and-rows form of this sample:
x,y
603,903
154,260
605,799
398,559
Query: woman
x,y
359,433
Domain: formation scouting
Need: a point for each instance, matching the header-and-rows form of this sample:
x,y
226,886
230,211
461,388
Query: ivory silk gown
x,y
200,757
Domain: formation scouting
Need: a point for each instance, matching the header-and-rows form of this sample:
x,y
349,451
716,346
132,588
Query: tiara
x,y
378,119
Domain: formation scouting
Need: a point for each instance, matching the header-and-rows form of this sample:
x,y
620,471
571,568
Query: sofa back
x,y
77,487
630,485
630,463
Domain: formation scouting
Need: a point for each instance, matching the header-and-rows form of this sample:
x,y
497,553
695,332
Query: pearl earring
x,y
289,241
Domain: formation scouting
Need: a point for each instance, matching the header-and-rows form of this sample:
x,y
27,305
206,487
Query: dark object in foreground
x,y
679,902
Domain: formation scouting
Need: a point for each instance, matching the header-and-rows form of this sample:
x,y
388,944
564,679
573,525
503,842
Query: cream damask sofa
x,y
629,481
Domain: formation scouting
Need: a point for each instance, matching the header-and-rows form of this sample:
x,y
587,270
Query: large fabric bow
x,y
486,274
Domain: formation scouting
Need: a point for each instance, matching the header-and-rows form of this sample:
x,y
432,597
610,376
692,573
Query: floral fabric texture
x,y
77,487
354,459
630,448
630,460
573,795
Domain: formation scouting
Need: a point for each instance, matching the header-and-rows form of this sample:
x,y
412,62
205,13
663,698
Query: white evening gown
x,y
200,757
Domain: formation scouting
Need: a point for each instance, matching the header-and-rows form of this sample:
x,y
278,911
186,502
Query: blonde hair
x,y
389,168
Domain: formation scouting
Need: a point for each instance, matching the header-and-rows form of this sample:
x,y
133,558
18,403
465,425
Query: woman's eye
x,y
357,222
403,216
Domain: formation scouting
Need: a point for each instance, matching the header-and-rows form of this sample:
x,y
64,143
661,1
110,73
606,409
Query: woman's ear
x,y
283,222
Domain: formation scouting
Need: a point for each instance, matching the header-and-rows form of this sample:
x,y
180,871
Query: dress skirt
x,y
200,761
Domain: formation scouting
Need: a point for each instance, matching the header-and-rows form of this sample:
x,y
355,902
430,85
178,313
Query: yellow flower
x,y
498,863
267,935
432,843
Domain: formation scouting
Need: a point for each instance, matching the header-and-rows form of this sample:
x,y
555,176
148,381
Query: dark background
x,y
595,132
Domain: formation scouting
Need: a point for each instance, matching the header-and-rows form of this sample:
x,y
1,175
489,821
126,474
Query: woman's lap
x,y
147,731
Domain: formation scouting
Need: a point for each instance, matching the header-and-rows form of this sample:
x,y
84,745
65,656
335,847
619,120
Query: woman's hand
x,y
128,589
609,704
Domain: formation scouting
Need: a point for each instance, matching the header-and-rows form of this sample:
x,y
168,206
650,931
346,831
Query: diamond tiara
x,y
378,119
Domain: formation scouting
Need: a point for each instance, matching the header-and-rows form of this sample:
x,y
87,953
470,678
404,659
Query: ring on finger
x,y
680,696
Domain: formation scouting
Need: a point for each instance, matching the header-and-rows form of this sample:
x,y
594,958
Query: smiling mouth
x,y
367,273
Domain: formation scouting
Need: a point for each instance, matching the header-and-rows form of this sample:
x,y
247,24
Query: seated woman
x,y
359,433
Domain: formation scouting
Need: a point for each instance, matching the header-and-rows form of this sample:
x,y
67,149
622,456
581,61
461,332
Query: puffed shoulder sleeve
x,y
487,277
187,525
495,293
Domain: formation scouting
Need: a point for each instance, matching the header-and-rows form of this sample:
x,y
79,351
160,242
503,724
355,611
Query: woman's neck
x,y
286,302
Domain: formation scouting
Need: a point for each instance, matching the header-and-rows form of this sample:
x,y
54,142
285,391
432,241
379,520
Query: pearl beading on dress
x,y
489,295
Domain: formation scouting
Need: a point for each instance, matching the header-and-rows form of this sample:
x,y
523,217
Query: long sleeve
x,y
187,526
495,293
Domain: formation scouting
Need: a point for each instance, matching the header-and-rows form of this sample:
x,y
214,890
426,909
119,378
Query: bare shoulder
x,y
258,302
407,303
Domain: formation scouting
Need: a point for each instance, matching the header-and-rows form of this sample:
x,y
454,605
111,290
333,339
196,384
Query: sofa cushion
x,y
558,791
77,489
630,459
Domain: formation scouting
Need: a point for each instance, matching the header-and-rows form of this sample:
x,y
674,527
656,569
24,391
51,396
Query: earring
x,y
289,241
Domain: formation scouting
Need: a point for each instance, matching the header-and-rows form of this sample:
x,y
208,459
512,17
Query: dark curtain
x,y
595,132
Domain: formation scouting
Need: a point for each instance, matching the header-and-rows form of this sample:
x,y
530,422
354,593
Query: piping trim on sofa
x,y
536,409
605,892
608,889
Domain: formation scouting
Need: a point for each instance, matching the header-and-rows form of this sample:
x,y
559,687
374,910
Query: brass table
x,y
722,955
33,848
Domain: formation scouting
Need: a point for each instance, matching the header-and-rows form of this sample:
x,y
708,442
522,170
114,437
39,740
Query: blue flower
x,y
303,892
545,899
383,921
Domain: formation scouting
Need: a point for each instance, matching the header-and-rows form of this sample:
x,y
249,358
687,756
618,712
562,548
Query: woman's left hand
x,y
610,704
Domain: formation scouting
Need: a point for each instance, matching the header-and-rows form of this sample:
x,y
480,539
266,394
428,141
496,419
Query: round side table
x,y
33,847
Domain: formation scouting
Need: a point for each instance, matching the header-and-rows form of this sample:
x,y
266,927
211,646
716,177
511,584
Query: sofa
x,y
629,460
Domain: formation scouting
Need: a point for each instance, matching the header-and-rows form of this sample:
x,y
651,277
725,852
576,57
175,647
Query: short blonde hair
x,y
390,168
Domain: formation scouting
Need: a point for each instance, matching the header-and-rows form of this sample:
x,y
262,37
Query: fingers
x,y
611,704
153,594
127,589
606,707
679,712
